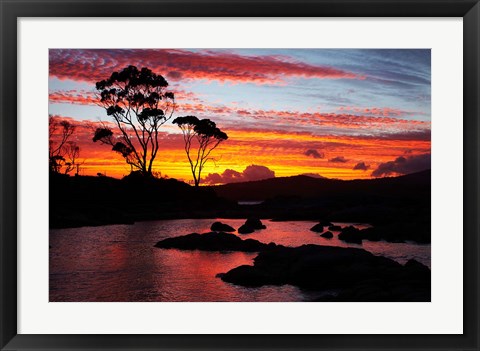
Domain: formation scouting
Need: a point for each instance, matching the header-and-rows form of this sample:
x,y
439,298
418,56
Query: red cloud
x,y
94,64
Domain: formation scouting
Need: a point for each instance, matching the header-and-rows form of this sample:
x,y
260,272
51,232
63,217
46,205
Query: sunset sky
x,y
334,113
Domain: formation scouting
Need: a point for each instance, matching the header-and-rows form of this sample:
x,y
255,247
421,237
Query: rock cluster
x,y
356,273
213,241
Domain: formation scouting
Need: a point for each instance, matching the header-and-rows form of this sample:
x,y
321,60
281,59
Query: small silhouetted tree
x,y
72,153
62,152
139,104
201,137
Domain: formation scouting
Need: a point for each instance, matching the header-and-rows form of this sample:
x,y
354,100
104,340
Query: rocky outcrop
x,y
244,229
221,227
251,224
351,235
394,232
255,223
317,228
327,235
355,273
213,241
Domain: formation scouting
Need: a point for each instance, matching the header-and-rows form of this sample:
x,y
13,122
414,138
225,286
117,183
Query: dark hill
x,y
89,201
398,207
401,206
412,185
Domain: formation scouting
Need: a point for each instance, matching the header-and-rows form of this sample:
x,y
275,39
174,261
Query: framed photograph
x,y
239,175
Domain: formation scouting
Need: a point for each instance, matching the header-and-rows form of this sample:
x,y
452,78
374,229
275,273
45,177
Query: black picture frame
x,y
11,10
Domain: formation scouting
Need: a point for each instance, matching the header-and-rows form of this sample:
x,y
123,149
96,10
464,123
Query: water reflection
x,y
119,262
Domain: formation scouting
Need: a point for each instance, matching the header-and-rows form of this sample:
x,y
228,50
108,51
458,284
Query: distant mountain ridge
x,y
411,185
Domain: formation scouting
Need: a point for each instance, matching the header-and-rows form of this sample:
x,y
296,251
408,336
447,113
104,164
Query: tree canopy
x,y
139,105
201,137
63,153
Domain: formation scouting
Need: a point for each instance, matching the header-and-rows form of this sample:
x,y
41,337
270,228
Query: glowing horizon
x,y
346,114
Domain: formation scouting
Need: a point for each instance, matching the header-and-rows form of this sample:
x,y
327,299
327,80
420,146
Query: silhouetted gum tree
x,y
62,152
139,105
206,136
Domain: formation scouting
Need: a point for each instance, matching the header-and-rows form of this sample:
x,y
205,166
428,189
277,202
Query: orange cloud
x,y
282,150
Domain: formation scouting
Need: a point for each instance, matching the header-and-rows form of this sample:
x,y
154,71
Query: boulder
x,y
350,234
357,274
335,228
327,235
244,229
255,223
325,223
317,228
251,224
221,227
398,232
213,241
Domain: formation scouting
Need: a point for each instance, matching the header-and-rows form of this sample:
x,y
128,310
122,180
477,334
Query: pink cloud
x,y
187,103
93,65
378,111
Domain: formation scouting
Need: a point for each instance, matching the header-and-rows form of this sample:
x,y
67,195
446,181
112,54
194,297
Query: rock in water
x,y
358,274
251,224
327,235
213,241
350,234
244,229
221,227
317,228
335,228
255,223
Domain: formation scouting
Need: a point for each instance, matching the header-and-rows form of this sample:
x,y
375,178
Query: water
x,y
119,262
249,203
